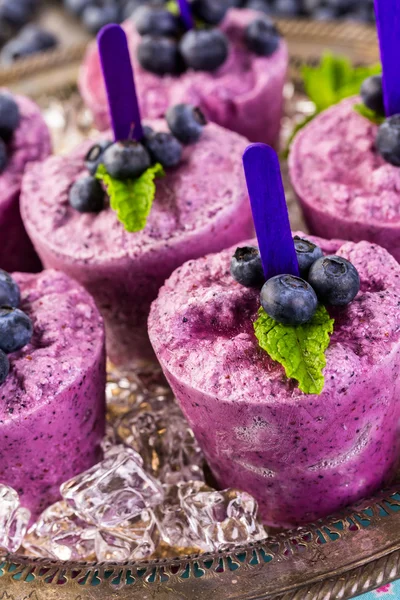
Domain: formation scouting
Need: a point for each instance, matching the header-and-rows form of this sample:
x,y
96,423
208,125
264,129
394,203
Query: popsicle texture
x,y
245,94
200,206
301,456
53,401
31,142
345,187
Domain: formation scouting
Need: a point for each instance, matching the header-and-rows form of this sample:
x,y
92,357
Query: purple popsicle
x,y
186,14
120,84
388,26
270,213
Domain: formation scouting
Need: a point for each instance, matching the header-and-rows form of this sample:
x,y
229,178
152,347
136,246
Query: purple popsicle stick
x,y
186,14
270,213
388,25
120,84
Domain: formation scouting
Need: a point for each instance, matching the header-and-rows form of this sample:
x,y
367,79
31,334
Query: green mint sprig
x,y
131,199
300,349
334,79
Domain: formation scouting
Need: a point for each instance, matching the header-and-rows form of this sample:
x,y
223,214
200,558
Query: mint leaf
x,y
369,114
334,79
299,349
132,199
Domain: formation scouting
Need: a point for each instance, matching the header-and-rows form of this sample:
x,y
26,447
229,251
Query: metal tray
x,y
342,556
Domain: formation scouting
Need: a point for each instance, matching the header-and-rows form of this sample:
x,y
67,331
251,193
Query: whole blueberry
x,y
307,253
78,6
87,195
15,12
210,11
9,290
324,13
9,116
259,5
95,17
126,160
95,155
335,280
165,149
156,20
286,8
30,40
262,37
4,366
159,55
246,267
3,156
15,329
289,299
186,122
372,94
388,140
204,49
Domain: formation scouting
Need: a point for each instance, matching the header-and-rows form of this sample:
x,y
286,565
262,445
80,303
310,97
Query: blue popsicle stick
x,y
270,213
120,84
388,26
186,14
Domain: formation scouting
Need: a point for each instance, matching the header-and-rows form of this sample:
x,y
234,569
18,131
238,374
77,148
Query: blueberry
x,y
262,37
126,160
372,94
96,17
87,195
3,156
15,329
288,299
286,8
186,122
307,254
211,12
15,12
335,280
324,13
165,149
246,267
388,140
4,366
156,20
30,40
204,49
95,155
159,55
259,5
9,116
9,290
77,7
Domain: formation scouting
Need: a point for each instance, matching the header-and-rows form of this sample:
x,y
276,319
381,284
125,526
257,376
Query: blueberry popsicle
x,y
296,401
245,92
172,196
52,384
344,165
24,138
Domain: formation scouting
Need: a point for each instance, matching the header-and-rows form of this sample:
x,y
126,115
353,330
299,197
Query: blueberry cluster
x,y
130,159
388,136
17,36
9,121
320,10
331,280
15,326
166,48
